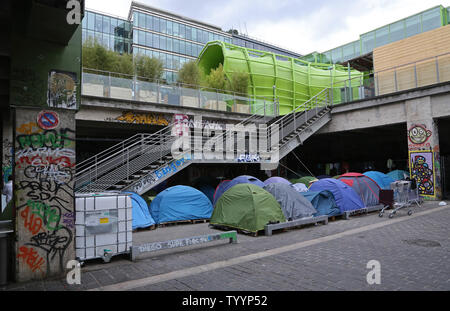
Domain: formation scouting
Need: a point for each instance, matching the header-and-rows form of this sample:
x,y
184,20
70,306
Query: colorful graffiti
x,y
45,161
422,171
141,118
418,135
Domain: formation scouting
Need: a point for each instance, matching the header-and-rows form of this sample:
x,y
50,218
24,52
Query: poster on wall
x,y
62,89
421,168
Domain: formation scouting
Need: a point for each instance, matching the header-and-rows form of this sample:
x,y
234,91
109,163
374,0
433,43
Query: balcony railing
x,y
417,74
126,87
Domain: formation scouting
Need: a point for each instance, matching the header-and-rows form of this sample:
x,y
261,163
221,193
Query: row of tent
x,y
247,203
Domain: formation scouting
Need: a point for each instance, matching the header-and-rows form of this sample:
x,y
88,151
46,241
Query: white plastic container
x,y
103,225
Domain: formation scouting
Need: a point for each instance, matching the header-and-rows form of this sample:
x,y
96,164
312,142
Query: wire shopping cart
x,y
403,193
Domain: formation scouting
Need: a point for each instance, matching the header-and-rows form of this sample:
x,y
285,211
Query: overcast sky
x,y
302,26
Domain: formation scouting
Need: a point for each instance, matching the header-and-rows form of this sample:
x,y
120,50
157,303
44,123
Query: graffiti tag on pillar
x,y
141,118
418,136
422,170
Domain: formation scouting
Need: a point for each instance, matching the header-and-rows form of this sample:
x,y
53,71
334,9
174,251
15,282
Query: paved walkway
x,y
413,251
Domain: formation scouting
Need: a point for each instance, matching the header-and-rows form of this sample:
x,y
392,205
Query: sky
x,y
297,25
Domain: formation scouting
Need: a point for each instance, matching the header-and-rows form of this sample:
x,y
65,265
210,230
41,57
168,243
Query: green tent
x,y
306,180
247,207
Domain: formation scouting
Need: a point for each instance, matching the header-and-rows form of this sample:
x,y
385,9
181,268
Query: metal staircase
x,y
145,160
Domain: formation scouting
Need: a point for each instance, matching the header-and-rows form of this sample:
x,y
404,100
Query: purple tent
x,y
277,179
221,188
346,198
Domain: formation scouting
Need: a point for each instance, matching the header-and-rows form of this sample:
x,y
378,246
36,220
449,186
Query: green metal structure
x,y
273,77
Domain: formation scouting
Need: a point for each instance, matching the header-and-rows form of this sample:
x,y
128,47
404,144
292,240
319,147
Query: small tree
x,y
190,74
148,67
217,79
239,83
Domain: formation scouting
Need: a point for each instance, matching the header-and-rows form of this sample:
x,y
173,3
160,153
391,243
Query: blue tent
x,y
398,174
383,180
346,198
323,201
140,213
276,179
244,179
180,203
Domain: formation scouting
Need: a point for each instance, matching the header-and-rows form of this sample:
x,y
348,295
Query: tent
x,y
383,180
243,179
323,201
276,179
247,207
180,203
220,189
293,204
307,180
323,176
367,188
140,212
207,190
346,198
398,174
300,187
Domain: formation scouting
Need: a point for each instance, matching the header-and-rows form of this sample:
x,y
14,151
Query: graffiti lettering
x,y
248,158
142,118
51,215
31,221
28,128
31,257
50,138
46,191
171,168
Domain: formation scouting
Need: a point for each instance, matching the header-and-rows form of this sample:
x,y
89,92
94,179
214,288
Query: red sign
x,y
48,120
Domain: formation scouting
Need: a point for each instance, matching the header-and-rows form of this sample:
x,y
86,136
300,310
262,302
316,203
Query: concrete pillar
x,y
7,162
44,194
423,147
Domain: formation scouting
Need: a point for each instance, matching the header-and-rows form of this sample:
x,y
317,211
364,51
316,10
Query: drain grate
x,y
424,243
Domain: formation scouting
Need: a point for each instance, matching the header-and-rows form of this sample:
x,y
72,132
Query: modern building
x,y
173,38
359,52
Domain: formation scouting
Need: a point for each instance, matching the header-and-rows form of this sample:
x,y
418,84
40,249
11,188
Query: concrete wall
x,y
44,196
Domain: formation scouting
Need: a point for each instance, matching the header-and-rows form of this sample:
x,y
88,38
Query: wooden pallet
x,y
182,222
152,227
269,228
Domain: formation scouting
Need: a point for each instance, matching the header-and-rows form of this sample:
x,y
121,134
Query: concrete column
x,y
7,162
44,191
423,147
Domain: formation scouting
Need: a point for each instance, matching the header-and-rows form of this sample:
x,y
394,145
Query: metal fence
x,y
126,87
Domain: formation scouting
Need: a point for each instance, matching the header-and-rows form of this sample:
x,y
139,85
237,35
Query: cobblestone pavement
x,y
413,251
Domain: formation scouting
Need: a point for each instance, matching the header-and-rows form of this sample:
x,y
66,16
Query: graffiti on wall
x,y
7,160
418,136
422,170
140,118
44,162
62,89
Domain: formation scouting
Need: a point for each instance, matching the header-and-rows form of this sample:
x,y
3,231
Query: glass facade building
x,y
421,22
112,32
251,43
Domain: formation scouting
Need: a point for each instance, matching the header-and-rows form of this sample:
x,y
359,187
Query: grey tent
x,y
293,204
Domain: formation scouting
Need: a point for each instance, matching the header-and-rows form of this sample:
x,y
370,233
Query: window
x,y
199,36
114,23
412,26
176,46
169,61
106,25
148,53
182,47
156,41
382,36
194,34
149,22
169,28
169,44
156,24
348,51
162,43
397,31
98,23
148,39
182,31
141,20
188,33
188,48
141,37
135,18
211,36
91,21
176,29
163,25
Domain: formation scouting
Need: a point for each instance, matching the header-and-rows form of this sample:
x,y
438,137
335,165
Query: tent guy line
x,y
128,285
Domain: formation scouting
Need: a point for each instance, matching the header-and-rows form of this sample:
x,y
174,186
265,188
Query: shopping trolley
x,y
403,193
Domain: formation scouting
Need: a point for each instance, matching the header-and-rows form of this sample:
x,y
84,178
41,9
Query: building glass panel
x,y
176,29
368,42
182,31
162,43
141,20
169,44
431,19
98,23
163,25
169,28
194,34
182,47
397,31
149,22
382,36
148,39
90,21
155,41
412,26
156,24
141,37
348,51
106,24
176,46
